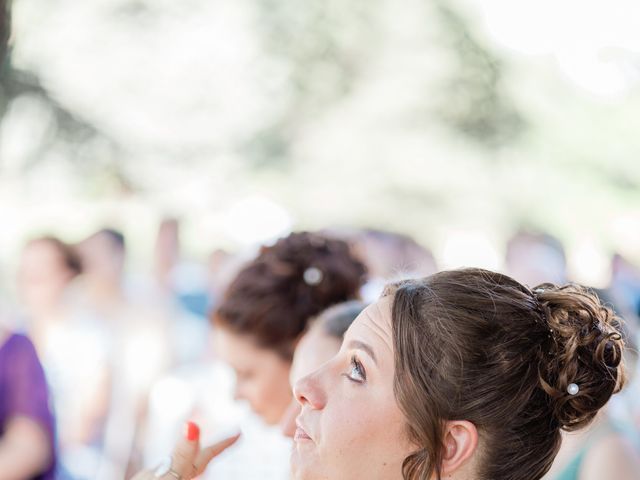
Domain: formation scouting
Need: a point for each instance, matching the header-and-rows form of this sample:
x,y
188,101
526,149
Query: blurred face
x,y
533,263
262,376
313,350
350,426
102,258
42,275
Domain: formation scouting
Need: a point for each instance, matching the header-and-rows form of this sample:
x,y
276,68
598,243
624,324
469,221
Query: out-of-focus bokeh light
x,y
596,44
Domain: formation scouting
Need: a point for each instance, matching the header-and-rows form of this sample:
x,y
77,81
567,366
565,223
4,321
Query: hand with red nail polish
x,y
188,460
191,431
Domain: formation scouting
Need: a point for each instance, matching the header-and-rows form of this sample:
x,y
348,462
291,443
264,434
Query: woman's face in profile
x,y
350,426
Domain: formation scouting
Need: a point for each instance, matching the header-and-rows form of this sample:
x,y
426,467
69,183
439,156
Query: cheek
x,y
363,435
351,421
269,393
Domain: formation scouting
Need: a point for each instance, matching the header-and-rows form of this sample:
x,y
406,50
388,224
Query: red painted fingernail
x,y
191,431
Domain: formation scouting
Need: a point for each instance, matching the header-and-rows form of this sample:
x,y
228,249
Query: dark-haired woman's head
x,y
267,307
465,374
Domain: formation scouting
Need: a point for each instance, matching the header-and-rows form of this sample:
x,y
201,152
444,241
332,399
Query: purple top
x,y
23,389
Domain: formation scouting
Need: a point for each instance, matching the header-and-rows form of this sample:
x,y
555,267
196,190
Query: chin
x,y
300,469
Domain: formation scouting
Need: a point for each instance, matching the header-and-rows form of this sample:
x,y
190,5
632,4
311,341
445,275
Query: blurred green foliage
x,y
343,112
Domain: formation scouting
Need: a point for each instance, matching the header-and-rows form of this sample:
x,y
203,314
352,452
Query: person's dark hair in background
x,y
335,320
267,308
275,295
103,256
68,254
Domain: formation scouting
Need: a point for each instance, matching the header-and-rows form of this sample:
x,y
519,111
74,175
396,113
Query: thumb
x,y
212,451
184,456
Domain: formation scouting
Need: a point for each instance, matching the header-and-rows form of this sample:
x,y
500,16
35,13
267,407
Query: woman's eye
x,y
356,372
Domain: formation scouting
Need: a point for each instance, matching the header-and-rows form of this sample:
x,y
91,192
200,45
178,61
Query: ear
x,y
460,443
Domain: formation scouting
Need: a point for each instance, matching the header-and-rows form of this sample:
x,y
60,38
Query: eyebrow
x,y
363,346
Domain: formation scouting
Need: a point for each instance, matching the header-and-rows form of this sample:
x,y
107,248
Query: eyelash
x,y
357,366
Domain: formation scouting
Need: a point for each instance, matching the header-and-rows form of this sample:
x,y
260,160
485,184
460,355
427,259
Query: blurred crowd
x,y
126,358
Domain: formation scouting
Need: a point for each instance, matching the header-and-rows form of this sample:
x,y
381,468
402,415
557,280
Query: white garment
x,y
204,393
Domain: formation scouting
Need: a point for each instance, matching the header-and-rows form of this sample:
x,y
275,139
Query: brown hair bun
x,y
274,296
585,349
477,345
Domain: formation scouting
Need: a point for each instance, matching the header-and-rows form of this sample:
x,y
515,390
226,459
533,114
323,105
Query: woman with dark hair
x,y
266,309
465,374
462,375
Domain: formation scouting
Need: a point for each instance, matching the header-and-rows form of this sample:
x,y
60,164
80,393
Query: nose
x,y
288,422
310,391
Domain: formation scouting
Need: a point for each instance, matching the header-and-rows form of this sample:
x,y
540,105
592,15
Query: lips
x,y
301,434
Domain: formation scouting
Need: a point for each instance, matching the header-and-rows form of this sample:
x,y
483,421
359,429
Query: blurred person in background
x,y
72,348
27,445
319,344
624,286
388,256
184,287
534,258
186,281
47,267
167,252
267,307
103,260
223,267
132,320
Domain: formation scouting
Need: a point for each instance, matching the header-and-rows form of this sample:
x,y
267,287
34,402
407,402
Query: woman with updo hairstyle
x,y
265,310
465,374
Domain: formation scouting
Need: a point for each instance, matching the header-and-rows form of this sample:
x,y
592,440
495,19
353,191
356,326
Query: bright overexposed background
x,y
440,119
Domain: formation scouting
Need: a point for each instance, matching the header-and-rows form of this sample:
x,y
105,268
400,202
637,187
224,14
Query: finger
x,y
209,453
186,451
